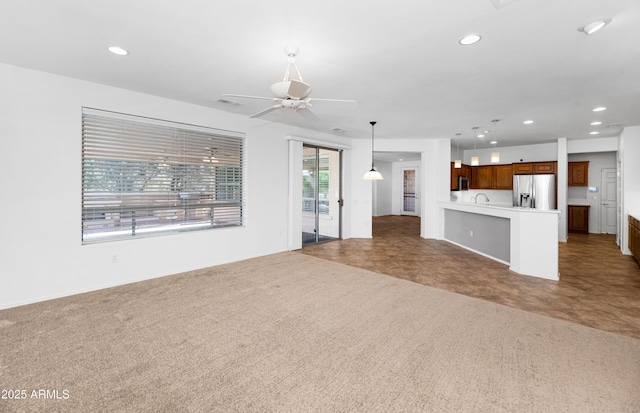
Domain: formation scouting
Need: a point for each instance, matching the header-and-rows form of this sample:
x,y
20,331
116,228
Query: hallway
x,y
599,287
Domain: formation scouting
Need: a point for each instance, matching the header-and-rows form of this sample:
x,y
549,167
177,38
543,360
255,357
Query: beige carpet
x,y
293,333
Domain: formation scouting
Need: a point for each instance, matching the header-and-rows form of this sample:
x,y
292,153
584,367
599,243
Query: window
x,y
144,176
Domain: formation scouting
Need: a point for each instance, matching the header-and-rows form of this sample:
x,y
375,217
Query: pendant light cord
x,y
372,125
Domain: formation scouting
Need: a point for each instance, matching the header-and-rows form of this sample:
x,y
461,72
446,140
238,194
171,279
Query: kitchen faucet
x,y
475,198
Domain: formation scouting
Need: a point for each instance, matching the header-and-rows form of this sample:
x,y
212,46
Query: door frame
x,y
324,228
294,240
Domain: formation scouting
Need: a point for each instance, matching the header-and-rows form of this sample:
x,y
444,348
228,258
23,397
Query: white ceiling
x,y
400,60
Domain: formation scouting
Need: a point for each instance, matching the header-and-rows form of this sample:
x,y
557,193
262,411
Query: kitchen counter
x,y
524,238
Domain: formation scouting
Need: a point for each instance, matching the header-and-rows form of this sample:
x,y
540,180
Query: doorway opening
x,y
321,194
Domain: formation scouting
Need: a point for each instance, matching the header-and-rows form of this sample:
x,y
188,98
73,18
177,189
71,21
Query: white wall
x,y
511,154
384,189
359,193
562,182
42,255
629,154
592,145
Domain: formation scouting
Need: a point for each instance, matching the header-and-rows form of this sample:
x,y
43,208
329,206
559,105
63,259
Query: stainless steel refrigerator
x,y
534,191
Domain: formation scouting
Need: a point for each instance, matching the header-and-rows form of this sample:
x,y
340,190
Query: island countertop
x,y
524,238
494,208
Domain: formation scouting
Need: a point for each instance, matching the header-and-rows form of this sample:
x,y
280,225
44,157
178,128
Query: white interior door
x,y
410,187
609,201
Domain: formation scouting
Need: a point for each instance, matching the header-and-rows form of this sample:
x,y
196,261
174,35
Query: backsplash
x,y
496,196
577,193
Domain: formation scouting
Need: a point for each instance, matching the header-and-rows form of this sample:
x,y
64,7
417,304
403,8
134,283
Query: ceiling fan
x,y
292,93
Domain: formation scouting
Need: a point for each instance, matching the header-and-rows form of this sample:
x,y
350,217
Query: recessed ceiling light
x,y
470,39
401,159
594,26
481,135
528,122
595,132
493,142
599,109
118,50
595,123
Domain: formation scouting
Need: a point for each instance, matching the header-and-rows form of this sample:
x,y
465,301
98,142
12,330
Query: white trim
x,y
295,195
317,142
479,253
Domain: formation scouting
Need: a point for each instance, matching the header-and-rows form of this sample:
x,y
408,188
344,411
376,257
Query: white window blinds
x,y
144,176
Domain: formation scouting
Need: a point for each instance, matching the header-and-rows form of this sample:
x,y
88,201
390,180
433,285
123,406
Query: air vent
x,y
228,102
338,130
615,125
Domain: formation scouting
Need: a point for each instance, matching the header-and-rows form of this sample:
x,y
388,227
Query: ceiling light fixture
x,y
594,26
596,123
595,132
528,122
475,160
495,155
470,39
118,50
599,109
372,175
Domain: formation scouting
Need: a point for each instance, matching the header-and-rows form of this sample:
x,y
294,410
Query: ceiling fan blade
x,y
298,89
250,97
333,100
265,111
308,115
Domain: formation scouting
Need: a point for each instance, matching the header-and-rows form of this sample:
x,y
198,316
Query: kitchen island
x,y
524,238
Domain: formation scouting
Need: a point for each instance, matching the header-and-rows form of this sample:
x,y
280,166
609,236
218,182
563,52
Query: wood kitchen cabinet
x,y
455,173
529,168
579,219
481,177
522,168
579,173
634,237
545,167
502,177
498,176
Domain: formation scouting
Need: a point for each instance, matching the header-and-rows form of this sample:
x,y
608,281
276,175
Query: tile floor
x,y
599,286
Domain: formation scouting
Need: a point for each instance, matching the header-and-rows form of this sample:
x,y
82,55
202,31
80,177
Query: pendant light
x,y
475,160
457,164
372,175
495,155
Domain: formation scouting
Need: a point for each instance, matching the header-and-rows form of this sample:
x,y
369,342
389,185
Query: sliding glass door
x,y
321,194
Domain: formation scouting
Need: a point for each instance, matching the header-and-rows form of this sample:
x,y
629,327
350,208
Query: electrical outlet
x,y
114,259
